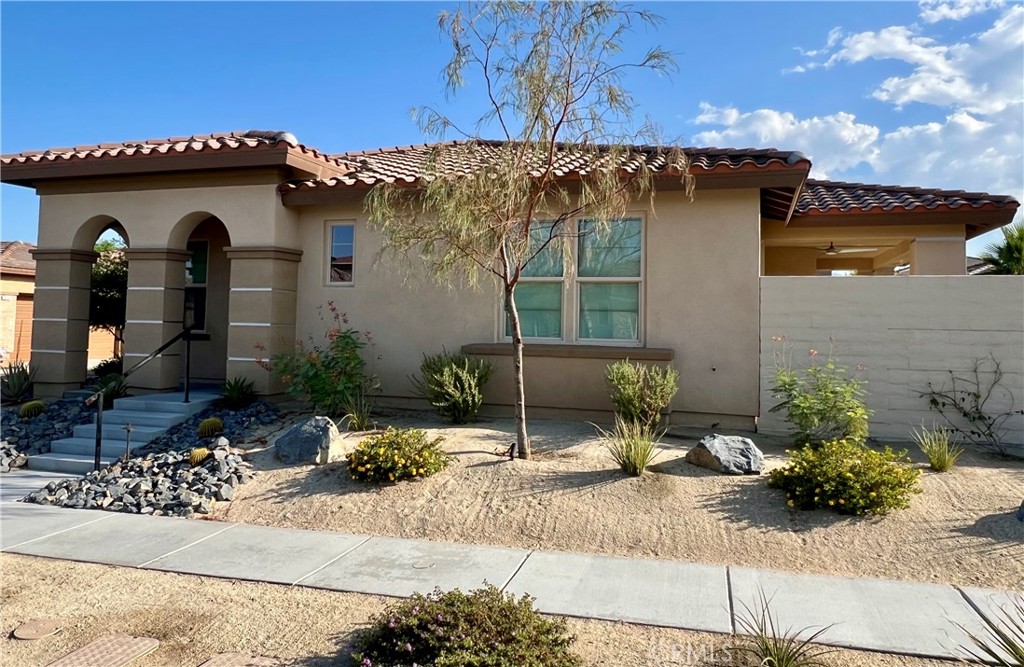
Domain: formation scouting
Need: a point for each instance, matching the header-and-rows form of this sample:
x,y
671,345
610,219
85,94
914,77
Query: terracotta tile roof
x,y
833,197
407,164
16,258
223,141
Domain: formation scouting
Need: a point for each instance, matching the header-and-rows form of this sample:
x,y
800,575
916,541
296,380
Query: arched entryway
x,y
207,290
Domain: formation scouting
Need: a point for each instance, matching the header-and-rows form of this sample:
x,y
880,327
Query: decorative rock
x,y
302,443
1020,512
225,493
729,454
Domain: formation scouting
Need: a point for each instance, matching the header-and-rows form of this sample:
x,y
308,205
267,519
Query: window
x,y
196,268
603,295
341,250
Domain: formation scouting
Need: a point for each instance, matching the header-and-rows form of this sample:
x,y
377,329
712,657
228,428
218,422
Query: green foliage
x,y
485,628
640,392
329,375
940,446
848,478
113,386
397,454
16,381
632,445
238,393
32,409
1007,257
210,427
823,403
108,296
359,408
108,366
1003,642
198,455
773,647
453,383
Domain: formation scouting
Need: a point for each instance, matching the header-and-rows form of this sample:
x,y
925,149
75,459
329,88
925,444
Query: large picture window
x,y
600,301
341,252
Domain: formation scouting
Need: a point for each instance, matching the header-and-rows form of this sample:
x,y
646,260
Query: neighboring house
x,y
254,232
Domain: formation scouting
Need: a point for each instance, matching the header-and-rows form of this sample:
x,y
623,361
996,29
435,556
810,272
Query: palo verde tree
x,y
552,79
109,291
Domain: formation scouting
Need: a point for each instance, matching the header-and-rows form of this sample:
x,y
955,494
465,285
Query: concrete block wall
x,y
905,331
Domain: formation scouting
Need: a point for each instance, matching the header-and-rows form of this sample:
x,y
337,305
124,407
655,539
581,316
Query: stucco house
x,y
252,232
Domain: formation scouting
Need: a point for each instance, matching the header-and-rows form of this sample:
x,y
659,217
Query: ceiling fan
x,y
833,250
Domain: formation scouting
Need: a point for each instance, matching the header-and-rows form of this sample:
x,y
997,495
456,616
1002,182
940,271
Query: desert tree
x,y
109,290
1007,257
552,80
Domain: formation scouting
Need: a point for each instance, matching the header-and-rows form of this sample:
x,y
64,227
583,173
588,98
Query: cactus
x,y
210,427
198,455
32,409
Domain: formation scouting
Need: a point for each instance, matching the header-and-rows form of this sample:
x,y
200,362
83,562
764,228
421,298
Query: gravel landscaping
x,y
33,436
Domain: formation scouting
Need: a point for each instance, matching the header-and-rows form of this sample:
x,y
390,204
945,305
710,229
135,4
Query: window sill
x,y
573,351
199,336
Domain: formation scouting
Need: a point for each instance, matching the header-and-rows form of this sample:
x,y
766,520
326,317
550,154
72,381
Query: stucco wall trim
x,y
573,351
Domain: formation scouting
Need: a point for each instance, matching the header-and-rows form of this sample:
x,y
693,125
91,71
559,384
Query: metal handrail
x,y
185,333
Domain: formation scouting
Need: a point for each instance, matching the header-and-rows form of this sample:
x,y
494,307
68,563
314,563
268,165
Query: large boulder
x,y
729,454
303,442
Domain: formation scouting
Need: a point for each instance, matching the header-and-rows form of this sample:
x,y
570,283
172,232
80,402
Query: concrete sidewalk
x,y
879,615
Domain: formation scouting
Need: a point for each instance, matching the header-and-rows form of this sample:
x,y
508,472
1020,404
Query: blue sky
x,y
928,94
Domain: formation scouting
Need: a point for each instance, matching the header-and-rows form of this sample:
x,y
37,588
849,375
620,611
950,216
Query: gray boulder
x,y
729,454
302,442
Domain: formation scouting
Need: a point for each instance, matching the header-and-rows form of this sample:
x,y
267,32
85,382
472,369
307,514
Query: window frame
x,y
571,299
198,288
329,226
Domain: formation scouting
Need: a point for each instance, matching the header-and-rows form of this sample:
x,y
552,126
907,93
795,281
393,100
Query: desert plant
x,y
773,647
108,366
822,403
16,381
210,427
640,392
359,406
846,477
1003,642
113,387
965,404
198,455
1007,257
238,393
940,446
453,383
484,628
632,445
32,409
397,454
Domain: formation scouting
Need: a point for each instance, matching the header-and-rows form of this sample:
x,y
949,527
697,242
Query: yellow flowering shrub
x,y
397,454
848,478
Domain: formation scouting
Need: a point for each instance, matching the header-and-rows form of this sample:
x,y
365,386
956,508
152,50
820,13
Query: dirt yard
x,y
961,530
195,618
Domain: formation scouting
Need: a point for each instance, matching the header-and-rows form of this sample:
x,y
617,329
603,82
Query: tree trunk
x,y
522,447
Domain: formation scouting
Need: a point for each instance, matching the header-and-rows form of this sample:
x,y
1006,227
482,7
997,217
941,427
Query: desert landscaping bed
x,y
197,617
960,530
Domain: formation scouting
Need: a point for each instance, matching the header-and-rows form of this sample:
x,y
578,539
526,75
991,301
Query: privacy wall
x,y
905,331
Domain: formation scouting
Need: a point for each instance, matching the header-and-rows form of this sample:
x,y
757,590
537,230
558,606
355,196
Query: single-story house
x,y
254,232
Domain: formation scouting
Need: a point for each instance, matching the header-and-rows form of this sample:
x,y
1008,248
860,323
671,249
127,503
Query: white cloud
x,y
933,11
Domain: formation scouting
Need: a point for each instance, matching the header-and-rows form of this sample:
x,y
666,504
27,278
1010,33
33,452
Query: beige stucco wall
x,y
907,331
700,294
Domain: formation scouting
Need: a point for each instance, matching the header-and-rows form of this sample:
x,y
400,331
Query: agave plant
x,y
773,647
16,381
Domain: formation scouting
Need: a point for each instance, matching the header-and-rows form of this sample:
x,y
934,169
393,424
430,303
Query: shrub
x,y
823,403
238,394
397,454
633,445
772,646
1003,641
32,409
453,383
330,375
640,392
113,387
16,381
198,455
359,407
940,446
846,477
210,427
108,366
485,628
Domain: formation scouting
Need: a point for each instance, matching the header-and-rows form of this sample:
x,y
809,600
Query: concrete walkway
x,y
892,616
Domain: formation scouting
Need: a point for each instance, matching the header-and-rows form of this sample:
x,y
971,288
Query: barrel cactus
x,y
198,455
32,409
210,427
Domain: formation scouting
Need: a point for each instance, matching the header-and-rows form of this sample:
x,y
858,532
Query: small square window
x,y
341,251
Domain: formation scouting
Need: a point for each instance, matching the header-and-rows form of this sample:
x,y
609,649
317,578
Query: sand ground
x,y
196,617
960,530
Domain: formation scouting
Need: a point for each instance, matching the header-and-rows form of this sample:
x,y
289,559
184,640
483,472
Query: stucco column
x,y
60,320
154,315
261,311
938,256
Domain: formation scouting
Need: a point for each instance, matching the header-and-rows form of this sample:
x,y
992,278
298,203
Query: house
x,y
251,233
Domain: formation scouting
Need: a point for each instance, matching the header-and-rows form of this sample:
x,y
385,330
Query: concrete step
x,y
87,446
65,463
140,434
172,403
162,420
